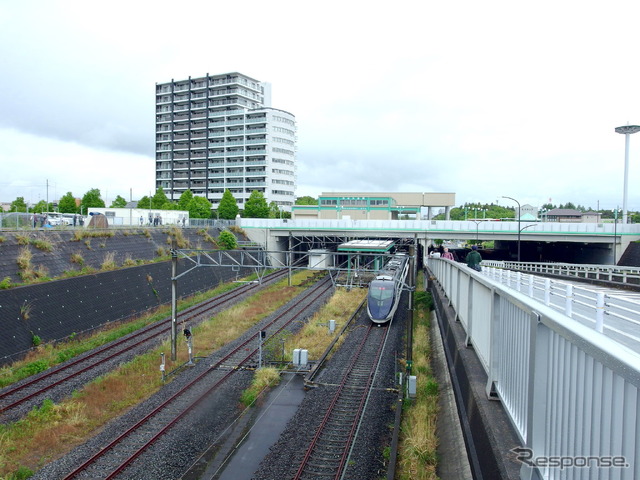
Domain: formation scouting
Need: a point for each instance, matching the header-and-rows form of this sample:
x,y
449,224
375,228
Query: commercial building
x,y
375,205
220,132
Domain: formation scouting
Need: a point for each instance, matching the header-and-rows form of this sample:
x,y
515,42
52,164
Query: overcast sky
x,y
482,99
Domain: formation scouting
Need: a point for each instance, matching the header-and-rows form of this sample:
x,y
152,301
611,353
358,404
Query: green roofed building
x,y
375,205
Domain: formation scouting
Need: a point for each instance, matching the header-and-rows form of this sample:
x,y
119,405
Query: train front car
x,y
380,300
385,291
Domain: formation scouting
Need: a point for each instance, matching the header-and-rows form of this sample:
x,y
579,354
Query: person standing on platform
x,y
474,258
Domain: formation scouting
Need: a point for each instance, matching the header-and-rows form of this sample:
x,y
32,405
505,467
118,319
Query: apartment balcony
x,y
255,184
163,148
181,166
256,120
255,141
180,146
163,99
216,134
236,133
195,96
256,152
235,153
163,109
181,88
199,126
234,174
234,184
215,154
224,113
180,127
197,86
251,163
254,131
163,128
198,106
234,142
160,89
234,122
198,146
216,184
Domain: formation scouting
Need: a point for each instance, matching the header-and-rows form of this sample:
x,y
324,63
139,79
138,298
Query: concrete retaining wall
x,y
59,308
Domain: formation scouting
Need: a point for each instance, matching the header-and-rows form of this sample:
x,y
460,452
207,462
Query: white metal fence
x,y
610,273
612,312
570,391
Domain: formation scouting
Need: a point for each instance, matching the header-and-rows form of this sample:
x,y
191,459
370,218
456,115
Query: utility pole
x,y
174,299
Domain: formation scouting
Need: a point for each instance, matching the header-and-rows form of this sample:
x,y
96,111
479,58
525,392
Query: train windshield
x,y
381,290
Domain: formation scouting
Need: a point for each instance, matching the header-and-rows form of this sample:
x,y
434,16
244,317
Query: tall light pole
x,y
519,231
626,130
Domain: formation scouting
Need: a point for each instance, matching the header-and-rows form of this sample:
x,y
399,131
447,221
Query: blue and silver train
x,y
385,290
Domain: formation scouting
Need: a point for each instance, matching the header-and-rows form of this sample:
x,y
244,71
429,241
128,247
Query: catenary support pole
x,y
174,299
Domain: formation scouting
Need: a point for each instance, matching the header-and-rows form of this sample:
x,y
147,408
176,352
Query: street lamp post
x,y
519,231
626,130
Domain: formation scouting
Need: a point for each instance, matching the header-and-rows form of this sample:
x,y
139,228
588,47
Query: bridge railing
x,y
611,312
610,273
571,393
449,227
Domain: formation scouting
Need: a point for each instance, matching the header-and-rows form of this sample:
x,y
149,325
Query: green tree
x,y
227,240
92,199
274,210
185,198
306,200
199,207
41,206
119,202
18,205
228,208
256,206
144,202
159,199
67,204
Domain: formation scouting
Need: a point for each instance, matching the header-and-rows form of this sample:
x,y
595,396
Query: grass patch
x,y
109,262
22,239
24,258
207,237
128,261
314,335
263,379
42,244
417,451
77,259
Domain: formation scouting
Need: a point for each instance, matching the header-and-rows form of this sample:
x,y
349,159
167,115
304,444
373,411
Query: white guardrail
x,y
571,392
609,273
615,313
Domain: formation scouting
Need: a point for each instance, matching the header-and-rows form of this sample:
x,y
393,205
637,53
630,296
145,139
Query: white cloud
x,y
480,99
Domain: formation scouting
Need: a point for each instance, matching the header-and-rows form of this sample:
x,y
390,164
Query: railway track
x,y
327,455
17,400
113,459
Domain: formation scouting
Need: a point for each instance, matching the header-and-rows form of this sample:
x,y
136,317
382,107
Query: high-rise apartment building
x,y
219,132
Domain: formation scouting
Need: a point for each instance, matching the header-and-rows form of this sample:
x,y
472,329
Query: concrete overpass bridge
x,y
538,241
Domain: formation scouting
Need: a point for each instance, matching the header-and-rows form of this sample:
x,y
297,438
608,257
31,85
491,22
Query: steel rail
x,y
183,390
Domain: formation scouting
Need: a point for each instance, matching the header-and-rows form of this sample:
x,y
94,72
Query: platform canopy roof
x,y
366,246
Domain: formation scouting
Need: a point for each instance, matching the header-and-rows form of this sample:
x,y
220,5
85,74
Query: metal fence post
x,y
600,312
547,291
568,303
